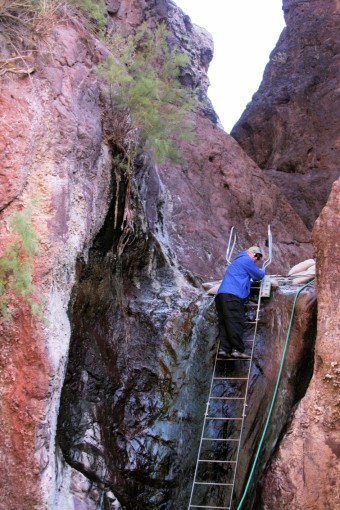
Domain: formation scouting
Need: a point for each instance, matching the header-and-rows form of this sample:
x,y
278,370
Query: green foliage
x,y
149,107
143,75
16,264
95,10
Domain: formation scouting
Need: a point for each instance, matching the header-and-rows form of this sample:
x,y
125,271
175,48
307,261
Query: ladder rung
x,y
255,314
230,378
218,461
214,418
214,483
200,506
217,439
227,398
235,359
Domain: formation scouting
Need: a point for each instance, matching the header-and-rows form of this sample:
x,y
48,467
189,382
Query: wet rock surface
x,y
276,345
140,361
291,126
78,492
133,394
139,372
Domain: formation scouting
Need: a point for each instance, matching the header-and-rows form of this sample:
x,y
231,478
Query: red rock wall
x,y
305,471
216,186
55,151
291,126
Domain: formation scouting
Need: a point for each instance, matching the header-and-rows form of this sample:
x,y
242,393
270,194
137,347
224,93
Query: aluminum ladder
x,y
220,443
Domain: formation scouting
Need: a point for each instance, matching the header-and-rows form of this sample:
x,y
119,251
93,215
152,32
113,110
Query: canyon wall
x,y
304,472
54,155
102,401
291,126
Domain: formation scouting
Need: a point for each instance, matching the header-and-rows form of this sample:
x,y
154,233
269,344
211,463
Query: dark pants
x,y
231,321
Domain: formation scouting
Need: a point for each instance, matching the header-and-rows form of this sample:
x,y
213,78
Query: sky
x,y
244,32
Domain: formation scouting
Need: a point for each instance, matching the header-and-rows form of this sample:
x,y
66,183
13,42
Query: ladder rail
x,y
207,417
230,249
202,434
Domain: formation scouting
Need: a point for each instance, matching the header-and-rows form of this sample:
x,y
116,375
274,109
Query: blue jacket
x,y
236,279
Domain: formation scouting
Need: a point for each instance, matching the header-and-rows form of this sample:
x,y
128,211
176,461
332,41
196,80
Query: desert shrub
x,y
24,26
34,15
150,107
95,10
16,264
142,73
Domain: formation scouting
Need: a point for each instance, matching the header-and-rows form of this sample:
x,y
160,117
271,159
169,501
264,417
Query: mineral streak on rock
x,y
291,126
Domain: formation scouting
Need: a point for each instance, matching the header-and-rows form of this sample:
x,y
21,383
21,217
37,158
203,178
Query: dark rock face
x,y
291,126
135,384
141,353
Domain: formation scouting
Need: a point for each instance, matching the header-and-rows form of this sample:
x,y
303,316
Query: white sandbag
x,y
213,290
302,266
304,276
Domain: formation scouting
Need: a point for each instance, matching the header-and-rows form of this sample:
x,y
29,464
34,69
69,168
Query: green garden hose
x,y
273,398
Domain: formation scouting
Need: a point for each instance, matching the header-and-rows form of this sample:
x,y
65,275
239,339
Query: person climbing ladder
x,y
230,298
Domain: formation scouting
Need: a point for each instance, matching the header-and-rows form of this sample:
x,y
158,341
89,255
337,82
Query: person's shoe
x,y
223,354
238,354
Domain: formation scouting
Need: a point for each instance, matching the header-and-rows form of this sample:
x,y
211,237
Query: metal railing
x,y
231,244
270,248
